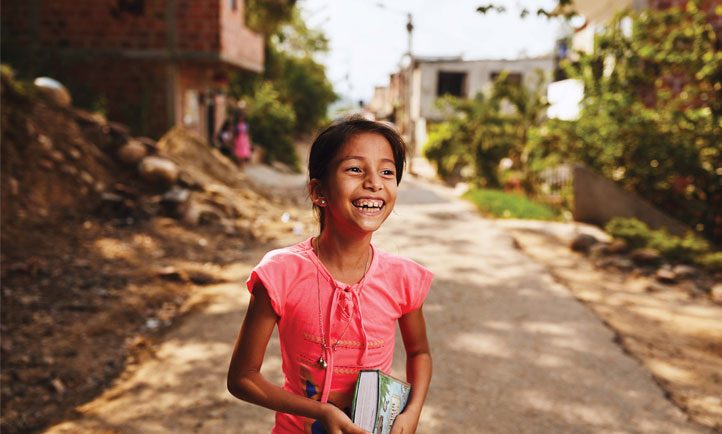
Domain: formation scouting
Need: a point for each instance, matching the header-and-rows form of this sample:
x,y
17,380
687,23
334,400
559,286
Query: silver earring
x,y
323,201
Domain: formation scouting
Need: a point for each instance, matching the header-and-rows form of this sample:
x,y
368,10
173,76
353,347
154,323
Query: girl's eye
x,y
354,169
388,172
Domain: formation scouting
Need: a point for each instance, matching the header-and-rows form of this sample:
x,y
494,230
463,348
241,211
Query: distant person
x,y
224,138
335,297
242,143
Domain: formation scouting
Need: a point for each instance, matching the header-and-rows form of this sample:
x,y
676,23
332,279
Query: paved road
x,y
513,351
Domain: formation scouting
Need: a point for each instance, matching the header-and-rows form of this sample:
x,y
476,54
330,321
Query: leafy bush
x,y
271,123
651,116
711,261
633,231
688,249
509,205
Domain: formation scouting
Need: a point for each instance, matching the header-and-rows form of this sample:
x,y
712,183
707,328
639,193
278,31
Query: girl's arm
x,y
418,369
244,374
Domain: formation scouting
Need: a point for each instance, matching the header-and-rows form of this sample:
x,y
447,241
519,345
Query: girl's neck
x,y
346,258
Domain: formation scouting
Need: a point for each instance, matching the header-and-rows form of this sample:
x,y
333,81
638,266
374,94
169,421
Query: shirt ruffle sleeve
x,y
417,285
270,273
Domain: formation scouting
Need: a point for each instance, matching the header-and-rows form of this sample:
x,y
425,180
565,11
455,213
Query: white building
x,y
431,78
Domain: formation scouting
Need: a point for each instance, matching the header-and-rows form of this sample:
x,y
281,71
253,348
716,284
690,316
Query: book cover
x,y
378,399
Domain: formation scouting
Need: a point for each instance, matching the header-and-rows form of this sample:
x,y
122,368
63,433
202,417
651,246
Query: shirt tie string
x,y
355,300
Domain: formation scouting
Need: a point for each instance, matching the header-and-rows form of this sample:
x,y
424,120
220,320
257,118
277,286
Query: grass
x,y
500,204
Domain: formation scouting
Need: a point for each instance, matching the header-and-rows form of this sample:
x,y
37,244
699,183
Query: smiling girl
x,y
336,297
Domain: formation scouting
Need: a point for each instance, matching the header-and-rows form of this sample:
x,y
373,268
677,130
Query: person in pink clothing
x,y
336,298
242,141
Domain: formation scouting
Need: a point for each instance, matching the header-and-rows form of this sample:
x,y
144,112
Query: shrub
x,y
689,248
633,231
271,124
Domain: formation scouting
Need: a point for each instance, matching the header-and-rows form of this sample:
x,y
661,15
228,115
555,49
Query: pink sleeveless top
x,y
296,280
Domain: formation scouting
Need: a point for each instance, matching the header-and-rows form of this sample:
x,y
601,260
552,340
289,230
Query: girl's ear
x,y
316,192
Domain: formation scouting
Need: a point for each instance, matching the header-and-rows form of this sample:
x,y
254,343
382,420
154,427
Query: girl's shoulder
x,y
401,266
294,254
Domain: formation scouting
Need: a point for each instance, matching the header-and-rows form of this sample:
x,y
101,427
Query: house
x,y
150,64
410,98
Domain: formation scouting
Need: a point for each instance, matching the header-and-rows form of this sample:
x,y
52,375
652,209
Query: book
x,y
377,400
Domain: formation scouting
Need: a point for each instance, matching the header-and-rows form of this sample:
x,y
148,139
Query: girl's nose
x,y
373,182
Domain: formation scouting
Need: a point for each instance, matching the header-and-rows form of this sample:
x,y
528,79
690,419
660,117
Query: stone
x,y
75,153
618,262
158,170
716,293
57,156
14,186
684,271
86,177
148,143
132,152
645,256
666,275
582,243
68,169
46,164
45,142
617,246
598,250
54,90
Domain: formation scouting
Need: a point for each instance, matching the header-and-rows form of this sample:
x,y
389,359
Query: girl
x,y
336,297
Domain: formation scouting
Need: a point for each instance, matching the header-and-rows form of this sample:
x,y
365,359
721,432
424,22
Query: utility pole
x,y
410,130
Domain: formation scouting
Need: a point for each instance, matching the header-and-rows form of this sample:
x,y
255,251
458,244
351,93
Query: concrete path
x,y
513,351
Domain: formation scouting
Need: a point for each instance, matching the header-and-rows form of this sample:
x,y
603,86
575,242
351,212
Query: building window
x,y
511,77
451,83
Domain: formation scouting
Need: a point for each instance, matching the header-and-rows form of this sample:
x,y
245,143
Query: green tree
x,y
651,116
480,132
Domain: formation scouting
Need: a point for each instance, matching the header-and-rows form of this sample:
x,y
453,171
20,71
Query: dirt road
x,y
513,351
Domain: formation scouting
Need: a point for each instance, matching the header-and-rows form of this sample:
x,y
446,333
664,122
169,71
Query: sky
x,y
368,41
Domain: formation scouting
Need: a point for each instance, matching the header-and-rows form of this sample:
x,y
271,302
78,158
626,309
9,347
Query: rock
x,y
14,186
617,246
58,385
666,275
176,195
598,250
68,169
45,142
645,256
684,271
54,90
186,180
158,170
656,287
149,143
171,273
57,156
618,262
75,153
86,177
132,152
46,164
582,243
716,293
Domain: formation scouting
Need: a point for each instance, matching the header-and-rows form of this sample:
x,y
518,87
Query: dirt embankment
x,y
100,247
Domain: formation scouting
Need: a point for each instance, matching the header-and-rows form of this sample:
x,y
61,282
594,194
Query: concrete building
x,y
410,98
150,64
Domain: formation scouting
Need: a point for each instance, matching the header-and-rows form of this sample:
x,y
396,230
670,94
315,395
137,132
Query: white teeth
x,y
367,203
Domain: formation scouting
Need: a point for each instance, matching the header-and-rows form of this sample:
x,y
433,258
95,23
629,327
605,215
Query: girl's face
x,y
360,191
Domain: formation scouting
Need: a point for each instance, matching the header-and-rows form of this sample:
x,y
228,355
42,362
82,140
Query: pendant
x,y
322,362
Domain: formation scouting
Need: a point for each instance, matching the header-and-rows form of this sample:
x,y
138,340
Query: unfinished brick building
x,y
151,64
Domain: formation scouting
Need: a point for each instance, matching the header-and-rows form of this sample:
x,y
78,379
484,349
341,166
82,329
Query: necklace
x,y
321,362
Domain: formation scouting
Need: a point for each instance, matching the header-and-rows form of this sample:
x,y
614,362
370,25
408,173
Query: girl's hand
x,y
405,423
337,422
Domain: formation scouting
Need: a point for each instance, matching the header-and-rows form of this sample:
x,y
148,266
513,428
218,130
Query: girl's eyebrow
x,y
357,157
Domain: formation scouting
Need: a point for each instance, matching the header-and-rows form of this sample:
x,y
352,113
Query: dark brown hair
x,y
328,143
